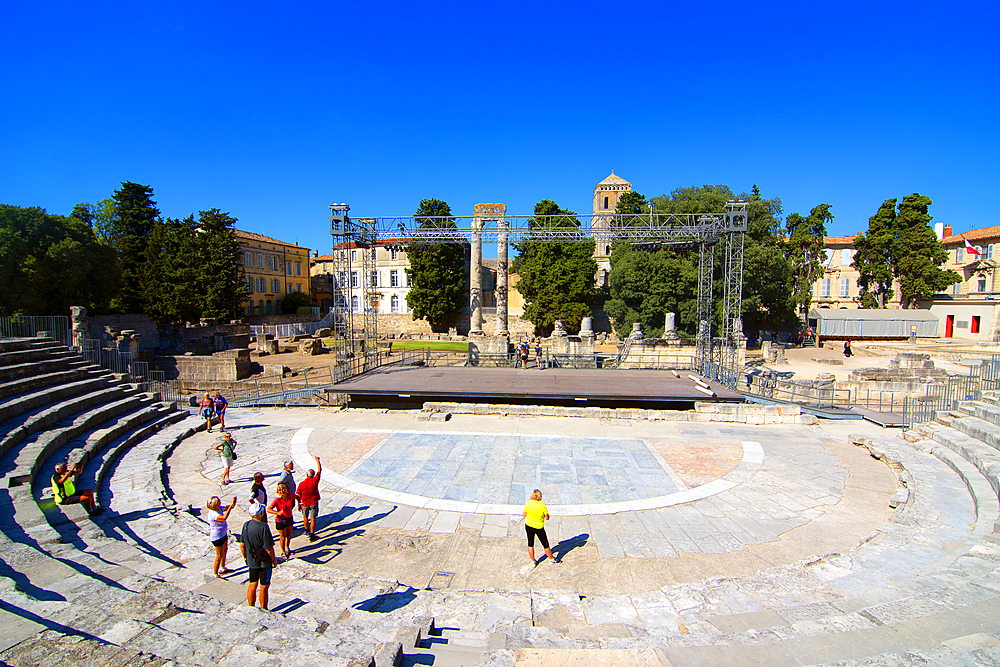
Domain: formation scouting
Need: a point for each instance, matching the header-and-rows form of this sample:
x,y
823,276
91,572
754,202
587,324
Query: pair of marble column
x,y
485,212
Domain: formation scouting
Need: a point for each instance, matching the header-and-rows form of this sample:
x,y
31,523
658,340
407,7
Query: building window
x,y
959,254
982,283
250,286
975,324
276,285
394,303
374,278
354,255
260,307
989,251
394,278
298,268
354,304
826,287
605,203
262,287
342,280
354,278
392,253
298,287
845,257
248,259
845,287
268,307
288,268
260,262
956,288
289,286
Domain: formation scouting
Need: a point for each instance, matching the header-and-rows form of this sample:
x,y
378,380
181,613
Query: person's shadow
x,y
560,550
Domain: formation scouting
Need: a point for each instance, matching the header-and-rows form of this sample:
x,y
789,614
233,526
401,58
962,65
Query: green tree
x,y
172,285
127,229
291,303
223,289
805,250
437,272
632,203
767,299
873,257
918,254
556,279
49,263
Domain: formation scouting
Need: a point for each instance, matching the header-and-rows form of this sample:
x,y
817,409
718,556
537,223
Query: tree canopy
x,y
50,262
127,228
555,279
805,250
873,257
437,273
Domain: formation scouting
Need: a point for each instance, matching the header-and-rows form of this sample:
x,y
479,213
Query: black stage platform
x,y
410,386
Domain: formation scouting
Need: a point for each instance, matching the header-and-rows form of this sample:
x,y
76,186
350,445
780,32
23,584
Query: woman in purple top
x,y
220,404
218,533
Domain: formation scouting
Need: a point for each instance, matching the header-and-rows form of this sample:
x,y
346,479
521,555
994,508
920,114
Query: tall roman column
x,y
476,277
503,228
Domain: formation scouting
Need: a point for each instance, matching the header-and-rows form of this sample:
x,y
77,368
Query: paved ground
x,y
801,491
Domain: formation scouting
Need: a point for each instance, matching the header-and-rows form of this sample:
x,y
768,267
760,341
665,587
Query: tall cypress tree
x,y
918,253
128,230
873,257
222,290
805,249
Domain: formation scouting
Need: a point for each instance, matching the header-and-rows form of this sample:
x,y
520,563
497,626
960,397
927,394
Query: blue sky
x,y
273,113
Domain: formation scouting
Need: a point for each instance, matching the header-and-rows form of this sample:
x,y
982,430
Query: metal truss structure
x,y
718,356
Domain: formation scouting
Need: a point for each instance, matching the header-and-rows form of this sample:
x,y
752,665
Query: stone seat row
x,y
89,566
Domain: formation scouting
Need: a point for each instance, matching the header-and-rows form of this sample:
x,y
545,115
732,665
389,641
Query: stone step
x,y
36,450
15,430
30,368
981,409
28,384
980,429
61,389
36,354
986,459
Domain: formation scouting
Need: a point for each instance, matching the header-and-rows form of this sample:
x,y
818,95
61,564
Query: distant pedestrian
x,y
308,493
281,507
206,408
538,354
848,352
64,491
286,477
227,452
524,354
220,404
258,494
257,549
218,533
535,516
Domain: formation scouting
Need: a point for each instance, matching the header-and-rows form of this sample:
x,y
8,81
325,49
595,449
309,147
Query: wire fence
x,y
947,396
289,330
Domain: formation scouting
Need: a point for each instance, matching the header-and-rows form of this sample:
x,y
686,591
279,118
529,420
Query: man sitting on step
x,y
65,492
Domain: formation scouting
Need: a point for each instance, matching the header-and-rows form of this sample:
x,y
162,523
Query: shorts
x,y
542,537
310,511
219,542
262,574
280,523
226,462
206,413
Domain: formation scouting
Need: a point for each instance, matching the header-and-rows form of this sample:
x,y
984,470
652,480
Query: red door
x,y
949,326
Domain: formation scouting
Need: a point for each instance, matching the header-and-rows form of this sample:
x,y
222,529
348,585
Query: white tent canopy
x,y
874,323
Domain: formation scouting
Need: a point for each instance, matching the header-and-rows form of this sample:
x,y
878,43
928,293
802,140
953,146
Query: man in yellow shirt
x,y
535,515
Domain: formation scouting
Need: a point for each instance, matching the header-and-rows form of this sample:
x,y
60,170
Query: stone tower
x,y
606,196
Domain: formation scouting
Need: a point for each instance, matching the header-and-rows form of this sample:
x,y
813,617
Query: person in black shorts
x,y
257,547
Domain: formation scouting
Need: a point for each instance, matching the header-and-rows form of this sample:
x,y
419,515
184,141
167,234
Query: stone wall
x,y
394,324
149,335
200,372
740,413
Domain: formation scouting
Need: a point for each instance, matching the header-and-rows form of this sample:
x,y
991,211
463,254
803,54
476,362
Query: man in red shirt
x,y
308,493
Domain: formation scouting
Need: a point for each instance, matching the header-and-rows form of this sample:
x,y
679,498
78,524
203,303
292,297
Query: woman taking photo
x,y
218,533
281,507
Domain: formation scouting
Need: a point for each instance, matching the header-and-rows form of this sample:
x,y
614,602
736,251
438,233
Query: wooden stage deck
x,y
410,386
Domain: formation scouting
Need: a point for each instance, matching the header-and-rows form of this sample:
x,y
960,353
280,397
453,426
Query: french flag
x,y
971,249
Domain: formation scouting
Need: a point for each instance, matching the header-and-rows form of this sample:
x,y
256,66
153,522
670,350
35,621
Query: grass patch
x,y
451,345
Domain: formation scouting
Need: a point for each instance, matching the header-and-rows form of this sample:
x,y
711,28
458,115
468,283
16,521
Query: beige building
x,y
838,287
271,269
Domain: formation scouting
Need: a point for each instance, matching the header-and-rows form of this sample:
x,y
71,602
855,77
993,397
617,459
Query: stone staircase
x,y
98,589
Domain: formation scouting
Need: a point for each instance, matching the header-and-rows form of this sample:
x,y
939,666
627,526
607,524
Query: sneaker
x,y
312,538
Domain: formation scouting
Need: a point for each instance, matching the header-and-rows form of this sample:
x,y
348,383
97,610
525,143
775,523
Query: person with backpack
x,y
227,453
538,355
257,549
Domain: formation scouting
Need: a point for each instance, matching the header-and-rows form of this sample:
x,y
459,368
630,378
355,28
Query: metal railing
x,y
289,330
947,396
29,326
